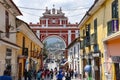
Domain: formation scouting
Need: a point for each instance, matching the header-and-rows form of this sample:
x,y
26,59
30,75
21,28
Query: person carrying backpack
x,y
60,76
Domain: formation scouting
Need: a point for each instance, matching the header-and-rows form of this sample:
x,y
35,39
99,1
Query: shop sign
x,y
116,59
96,54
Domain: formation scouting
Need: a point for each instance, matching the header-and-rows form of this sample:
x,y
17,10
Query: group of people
x,y
42,74
69,74
38,75
48,74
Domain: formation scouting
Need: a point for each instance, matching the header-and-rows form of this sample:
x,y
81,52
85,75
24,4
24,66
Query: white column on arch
x,y
76,33
69,37
60,22
46,22
38,33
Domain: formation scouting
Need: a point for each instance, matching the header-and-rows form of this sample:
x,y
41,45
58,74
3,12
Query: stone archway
x,y
55,36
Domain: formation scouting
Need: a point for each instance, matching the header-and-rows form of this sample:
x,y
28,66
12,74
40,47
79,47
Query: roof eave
x,y
91,11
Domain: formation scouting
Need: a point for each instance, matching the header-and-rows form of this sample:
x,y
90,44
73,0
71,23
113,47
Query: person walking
x,y
76,74
43,75
39,75
72,73
51,73
29,75
25,74
68,75
60,76
6,76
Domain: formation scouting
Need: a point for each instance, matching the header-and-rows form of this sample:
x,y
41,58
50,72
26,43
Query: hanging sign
x,y
116,59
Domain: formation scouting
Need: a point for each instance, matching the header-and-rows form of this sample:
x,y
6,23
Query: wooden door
x,y
20,72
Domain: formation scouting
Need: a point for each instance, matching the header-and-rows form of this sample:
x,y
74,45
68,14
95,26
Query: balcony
x,y
113,26
93,39
82,44
87,41
82,35
25,51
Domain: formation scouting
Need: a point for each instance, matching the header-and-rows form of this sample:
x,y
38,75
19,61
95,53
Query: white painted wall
x,y
76,33
69,37
38,33
12,39
77,54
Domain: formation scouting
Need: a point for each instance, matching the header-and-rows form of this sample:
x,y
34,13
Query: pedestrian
x,y
72,73
43,75
55,70
51,73
60,76
29,75
34,73
39,75
6,76
25,74
76,74
68,75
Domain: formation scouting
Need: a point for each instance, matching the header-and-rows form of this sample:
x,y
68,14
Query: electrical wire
x,y
77,14
44,9
40,16
30,14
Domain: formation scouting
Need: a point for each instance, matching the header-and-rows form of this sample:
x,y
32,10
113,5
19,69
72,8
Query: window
x,y
7,23
83,32
115,9
74,51
23,45
88,30
95,25
8,56
8,61
87,38
95,29
78,49
96,48
113,26
8,52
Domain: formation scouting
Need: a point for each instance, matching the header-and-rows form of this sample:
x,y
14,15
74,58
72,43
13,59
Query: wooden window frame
x,y
7,24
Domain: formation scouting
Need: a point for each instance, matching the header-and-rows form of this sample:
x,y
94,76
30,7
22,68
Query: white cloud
x,y
67,6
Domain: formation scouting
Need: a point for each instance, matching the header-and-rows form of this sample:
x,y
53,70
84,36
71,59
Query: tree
x,y
45,51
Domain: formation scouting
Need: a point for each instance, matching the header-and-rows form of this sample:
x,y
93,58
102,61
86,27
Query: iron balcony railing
x,y
112,26
93,39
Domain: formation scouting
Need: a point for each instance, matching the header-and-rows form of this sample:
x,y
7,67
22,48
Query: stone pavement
x,y
54,78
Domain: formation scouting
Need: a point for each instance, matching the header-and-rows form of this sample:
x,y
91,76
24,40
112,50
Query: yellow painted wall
x,y
103,15
28,41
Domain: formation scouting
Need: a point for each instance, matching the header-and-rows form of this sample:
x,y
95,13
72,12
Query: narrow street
x,y
59,39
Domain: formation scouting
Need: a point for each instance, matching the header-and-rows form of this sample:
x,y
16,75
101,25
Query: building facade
x,y
99,33
29,55
8,47
74,56
54,23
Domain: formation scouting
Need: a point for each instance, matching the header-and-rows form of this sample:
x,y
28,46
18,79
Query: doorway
x,y
20,71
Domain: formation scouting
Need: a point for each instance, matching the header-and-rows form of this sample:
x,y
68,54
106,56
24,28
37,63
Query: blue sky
x,y
73,9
